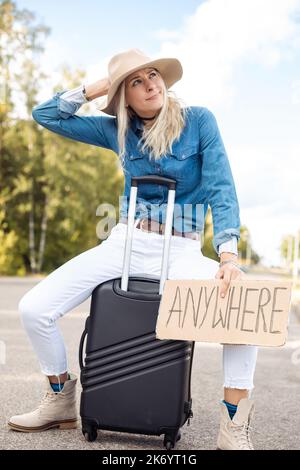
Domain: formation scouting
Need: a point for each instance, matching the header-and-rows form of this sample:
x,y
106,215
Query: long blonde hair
x,y
165,130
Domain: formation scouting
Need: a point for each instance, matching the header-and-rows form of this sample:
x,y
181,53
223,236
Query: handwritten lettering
x,y
202,307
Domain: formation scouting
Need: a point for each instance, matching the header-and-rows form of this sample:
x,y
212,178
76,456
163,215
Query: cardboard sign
x,y
252,312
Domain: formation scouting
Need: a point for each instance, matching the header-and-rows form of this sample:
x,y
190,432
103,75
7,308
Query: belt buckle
x,y
142,224
157,226
162,230
160,227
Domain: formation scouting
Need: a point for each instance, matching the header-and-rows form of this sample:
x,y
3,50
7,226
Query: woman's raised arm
x,y
58,115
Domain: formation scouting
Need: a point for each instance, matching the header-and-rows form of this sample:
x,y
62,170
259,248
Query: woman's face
x,y
142,85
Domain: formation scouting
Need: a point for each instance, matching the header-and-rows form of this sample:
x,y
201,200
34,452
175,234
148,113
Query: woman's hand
x,y
227,272
97,89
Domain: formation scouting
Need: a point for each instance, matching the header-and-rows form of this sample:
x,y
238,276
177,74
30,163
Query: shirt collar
x,y
136,124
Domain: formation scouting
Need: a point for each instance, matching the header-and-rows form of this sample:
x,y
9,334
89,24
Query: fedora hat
x,y
123,64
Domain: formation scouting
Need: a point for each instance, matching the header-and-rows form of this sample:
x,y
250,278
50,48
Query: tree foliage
x,y
50,186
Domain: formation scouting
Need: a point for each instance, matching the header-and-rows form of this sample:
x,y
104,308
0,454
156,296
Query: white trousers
x,y
73,282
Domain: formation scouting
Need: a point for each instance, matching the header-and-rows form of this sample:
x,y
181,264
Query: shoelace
x,y
242,434
46,400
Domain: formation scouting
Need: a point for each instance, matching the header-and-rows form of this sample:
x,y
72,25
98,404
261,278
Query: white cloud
x,y
267,231
165,35
266,181
221,35
267,176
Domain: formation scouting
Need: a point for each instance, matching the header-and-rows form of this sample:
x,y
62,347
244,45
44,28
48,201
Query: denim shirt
x,y
198,162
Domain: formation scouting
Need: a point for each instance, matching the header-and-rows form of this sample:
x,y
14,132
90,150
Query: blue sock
x,y
231,408
58,387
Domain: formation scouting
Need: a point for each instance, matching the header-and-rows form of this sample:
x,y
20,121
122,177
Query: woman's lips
x,y
153,97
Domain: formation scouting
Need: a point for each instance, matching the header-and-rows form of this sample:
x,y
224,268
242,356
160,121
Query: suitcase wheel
x,y
171,439
90,435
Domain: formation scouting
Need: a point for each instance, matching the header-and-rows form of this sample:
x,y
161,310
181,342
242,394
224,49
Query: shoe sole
x,y
67,424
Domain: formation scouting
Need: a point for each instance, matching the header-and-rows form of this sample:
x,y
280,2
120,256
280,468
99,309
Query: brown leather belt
x,y
148,225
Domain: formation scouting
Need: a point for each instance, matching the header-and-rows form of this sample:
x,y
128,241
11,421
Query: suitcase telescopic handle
x,y
153,179
135,182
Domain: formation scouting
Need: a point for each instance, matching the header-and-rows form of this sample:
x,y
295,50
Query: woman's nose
x,y
149,85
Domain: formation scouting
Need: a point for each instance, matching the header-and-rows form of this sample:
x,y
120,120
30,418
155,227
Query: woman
x,y
152,134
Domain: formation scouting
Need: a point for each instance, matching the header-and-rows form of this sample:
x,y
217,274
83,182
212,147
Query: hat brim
x,y
169,68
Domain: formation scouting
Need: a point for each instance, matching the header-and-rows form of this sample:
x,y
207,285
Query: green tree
x,y
287,248
50,186
208,249
19,39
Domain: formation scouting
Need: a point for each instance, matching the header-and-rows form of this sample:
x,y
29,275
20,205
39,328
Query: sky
x,y
240,58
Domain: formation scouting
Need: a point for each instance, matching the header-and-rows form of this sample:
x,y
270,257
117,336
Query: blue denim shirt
x,y
198,162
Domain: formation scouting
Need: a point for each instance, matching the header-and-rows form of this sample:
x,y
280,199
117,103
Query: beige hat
x,y
123,64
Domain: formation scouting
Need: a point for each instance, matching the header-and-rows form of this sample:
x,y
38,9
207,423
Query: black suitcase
x,y
131,381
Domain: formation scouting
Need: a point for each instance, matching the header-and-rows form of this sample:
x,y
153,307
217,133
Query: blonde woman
x,y
145,124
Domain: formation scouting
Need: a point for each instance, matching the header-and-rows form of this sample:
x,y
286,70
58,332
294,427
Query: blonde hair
x,y
167,127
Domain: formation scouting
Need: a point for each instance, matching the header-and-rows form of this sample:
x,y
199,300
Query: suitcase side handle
x,y
83,336
81,349
135,181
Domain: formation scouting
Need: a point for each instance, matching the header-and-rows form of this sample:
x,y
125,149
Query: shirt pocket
x,y
184,153
186,162
135,163
135,156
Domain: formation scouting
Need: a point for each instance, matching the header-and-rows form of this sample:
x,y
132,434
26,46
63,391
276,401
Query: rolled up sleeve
x,y
58,115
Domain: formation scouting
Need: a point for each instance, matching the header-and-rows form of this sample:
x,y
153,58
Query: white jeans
x,y
73,282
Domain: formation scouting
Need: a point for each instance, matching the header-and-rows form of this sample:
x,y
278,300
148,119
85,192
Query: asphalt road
x,y
276,393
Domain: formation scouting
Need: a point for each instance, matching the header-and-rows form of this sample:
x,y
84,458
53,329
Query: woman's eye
x,y
138,80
